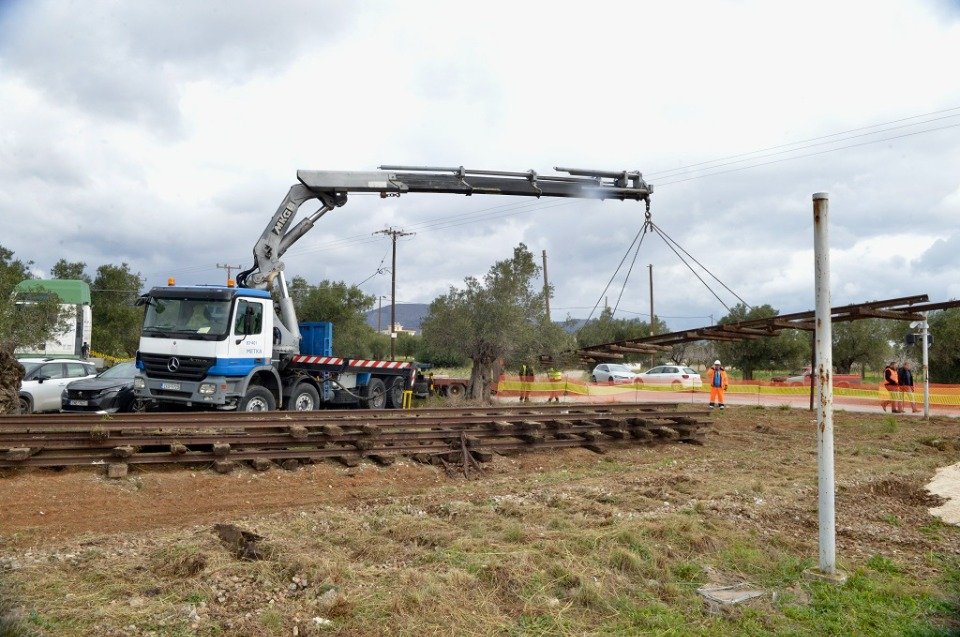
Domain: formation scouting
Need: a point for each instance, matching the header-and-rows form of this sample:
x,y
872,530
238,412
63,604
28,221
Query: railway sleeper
x,y
21,453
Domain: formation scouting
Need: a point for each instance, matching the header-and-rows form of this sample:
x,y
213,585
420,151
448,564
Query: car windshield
x,y
121,370
30,366
620,368
204,319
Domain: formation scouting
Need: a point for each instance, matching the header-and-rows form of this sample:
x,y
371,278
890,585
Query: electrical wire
x,y
822,152
814,139
504,210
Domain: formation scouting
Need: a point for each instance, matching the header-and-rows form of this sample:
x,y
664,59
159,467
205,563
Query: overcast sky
x,y
164,134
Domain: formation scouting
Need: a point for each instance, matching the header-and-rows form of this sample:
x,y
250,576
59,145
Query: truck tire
x,y
376,395
258,398
395,394
456,390
304,397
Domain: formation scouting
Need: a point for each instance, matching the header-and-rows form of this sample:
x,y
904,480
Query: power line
x,y
510,209
822,152
813,139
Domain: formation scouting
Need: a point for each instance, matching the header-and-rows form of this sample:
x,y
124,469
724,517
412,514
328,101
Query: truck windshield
x,y
201,319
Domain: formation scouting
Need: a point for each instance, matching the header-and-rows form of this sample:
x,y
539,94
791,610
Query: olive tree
x,y
500,317
21,325
786,349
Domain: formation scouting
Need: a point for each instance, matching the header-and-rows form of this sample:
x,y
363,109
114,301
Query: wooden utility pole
x,y
393,233
653,317
546,287
229,269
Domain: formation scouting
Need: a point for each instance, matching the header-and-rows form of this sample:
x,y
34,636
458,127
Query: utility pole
x,y
546,287
653,317
393,233
229,269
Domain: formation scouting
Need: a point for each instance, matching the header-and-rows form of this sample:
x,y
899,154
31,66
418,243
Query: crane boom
x,y
332,188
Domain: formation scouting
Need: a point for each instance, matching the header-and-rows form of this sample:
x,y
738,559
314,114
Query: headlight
x,y
207,388
138,383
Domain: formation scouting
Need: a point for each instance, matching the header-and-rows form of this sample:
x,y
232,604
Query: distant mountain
x,y
409,315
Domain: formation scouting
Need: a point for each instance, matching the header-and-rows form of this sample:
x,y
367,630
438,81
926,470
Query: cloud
x,y
128,62
165,134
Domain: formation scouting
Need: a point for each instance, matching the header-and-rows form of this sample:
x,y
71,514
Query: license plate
x,y
79,403
170,386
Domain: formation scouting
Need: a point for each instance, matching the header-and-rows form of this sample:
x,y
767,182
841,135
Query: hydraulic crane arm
x,y
332,188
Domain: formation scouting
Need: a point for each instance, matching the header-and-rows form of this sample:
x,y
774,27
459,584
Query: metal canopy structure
x,y
907,308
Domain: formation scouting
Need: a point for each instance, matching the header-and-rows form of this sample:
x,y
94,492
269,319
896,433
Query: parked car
x,y
108,392
676,376
805,377
46,379
612,373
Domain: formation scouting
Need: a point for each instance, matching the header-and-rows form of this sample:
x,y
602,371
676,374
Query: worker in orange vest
x,y
718,383
891,385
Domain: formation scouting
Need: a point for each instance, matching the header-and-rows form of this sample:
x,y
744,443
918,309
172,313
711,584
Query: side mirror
x,y
41,378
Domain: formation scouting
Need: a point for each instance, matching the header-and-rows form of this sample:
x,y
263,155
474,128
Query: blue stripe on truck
x,y
234,366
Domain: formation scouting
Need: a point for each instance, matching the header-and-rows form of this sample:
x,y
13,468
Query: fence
x,y
943,398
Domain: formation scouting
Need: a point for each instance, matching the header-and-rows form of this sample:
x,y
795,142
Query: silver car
x,y
612,373
46,379
677,376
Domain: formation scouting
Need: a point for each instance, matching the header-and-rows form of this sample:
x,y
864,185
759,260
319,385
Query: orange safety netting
x,y
942,397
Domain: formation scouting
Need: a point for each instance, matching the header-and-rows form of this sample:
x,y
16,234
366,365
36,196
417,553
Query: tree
x,y
116,319
606,329
64,269
344,306
787,349
21,325
501,317
864,342
944,353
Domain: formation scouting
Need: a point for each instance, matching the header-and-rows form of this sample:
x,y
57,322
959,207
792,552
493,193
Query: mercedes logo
x,y
173,364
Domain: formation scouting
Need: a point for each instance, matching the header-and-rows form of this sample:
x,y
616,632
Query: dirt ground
x,y
755,477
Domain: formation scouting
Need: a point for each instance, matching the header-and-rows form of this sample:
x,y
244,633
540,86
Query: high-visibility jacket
x,y
554,374
890,376
718,377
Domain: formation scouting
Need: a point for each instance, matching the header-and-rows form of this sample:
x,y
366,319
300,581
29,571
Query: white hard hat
x,y
716,362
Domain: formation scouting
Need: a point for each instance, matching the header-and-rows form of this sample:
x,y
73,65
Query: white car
x,y
678,377
46,379
612,373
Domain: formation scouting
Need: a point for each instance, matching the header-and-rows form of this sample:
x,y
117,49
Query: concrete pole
x,y
926,369
824,380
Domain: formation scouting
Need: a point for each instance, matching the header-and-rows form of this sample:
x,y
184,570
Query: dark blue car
x,y
110,391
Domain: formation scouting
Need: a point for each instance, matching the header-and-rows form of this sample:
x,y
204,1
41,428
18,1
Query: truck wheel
x,y
376,395
258,398
395,395
305,397
456,391
135,405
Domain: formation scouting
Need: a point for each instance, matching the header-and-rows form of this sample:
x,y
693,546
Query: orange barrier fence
x,y
942,397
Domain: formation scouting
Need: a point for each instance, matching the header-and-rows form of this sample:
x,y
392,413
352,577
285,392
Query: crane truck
x,y
232,347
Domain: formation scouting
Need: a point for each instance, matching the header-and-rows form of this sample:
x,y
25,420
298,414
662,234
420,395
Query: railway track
x,y
450,436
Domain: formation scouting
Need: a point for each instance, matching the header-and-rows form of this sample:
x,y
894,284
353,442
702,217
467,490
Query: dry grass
x,y
566,544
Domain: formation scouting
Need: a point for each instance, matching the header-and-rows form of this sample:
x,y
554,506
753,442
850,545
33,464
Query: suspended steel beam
x,y
905,308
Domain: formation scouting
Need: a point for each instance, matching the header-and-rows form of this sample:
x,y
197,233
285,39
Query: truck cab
x,y
203,345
